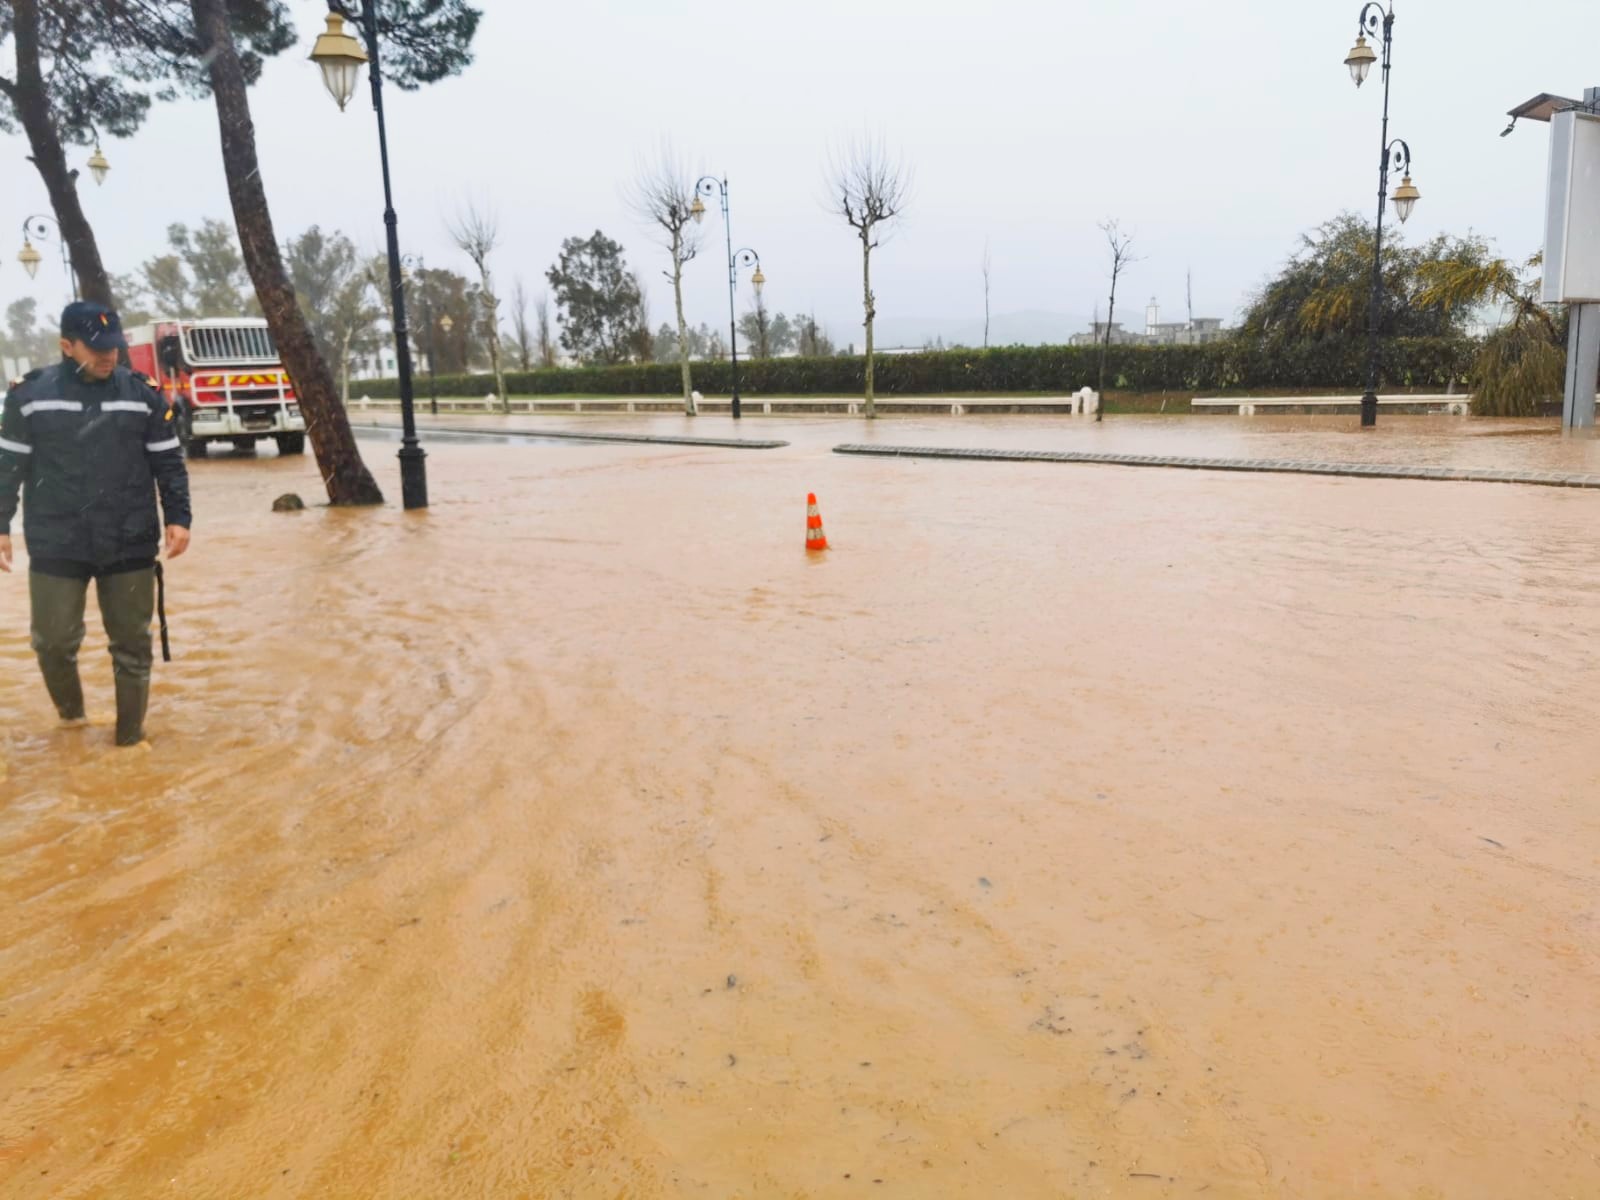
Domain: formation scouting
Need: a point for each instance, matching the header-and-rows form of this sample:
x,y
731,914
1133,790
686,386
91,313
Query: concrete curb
x,y
565,435
1267,466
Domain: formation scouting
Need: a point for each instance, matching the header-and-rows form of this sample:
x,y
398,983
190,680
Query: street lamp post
x,y
1379,21
340,56
446,323
415,264
38,226
710,185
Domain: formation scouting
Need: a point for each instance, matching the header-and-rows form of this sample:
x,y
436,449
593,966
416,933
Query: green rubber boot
x,y
127,603
57,633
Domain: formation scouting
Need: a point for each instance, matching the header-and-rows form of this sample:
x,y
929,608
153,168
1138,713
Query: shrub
x,y
1219,366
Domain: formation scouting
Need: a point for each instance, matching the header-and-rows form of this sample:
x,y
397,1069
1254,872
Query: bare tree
x,y
869,190
987,263
541,325
477,233
663,195
519,324
1121,245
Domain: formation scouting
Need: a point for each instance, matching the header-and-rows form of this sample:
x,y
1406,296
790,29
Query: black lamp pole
x,y
427,315
36,227
1377,21
709,185
413,465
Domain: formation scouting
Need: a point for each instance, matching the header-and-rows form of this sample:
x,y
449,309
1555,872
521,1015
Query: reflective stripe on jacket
x,y
89,459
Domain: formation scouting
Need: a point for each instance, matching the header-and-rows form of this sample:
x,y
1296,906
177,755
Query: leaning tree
x,y
216,47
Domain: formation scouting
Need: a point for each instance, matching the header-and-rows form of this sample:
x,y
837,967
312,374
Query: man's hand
x,y
5,552
177,541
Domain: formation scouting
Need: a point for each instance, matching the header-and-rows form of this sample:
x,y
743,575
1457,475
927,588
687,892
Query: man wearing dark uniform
x,y
89,443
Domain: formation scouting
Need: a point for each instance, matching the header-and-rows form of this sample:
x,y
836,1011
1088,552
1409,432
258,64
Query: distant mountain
x,y
1032,327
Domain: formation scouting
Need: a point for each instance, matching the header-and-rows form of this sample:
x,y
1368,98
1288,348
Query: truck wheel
x,y
197,447
245,445
291,443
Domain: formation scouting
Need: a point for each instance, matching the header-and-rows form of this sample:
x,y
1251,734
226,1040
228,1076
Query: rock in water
x,y
288,502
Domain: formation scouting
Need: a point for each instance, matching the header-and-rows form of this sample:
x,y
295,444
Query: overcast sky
x,y
1215,132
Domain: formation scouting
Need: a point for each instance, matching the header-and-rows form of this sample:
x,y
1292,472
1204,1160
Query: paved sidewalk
x,y
1250,465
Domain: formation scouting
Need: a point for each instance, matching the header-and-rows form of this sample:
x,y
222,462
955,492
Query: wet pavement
x,y
1098,832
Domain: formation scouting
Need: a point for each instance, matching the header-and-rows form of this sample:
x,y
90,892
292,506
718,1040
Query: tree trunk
x,y
346,476
1105,347
33,111
491,311
344,369
866,286
689,408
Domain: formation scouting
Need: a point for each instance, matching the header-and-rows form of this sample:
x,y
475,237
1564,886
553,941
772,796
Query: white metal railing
x,y
233,344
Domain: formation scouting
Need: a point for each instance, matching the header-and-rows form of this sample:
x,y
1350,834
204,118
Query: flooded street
x,y
1063,831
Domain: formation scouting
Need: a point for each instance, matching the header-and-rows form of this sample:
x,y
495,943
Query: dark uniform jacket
x,y
89,458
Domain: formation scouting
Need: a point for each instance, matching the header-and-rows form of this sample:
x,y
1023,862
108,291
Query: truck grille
x,y
230,344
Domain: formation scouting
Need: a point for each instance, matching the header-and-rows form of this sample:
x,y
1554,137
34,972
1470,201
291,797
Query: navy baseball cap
x,y
95,325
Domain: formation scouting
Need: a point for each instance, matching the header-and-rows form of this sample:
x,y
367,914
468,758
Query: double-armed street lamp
x,y
341,56
1379,23
38,226
710,185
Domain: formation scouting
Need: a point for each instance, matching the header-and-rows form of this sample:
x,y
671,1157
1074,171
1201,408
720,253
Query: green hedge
x,y
1219,366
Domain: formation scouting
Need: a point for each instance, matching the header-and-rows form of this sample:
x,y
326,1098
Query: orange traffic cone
x,y
815,538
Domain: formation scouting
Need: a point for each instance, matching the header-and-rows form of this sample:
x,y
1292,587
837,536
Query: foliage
x,y
203,275
335,291
23,336
701,339
1431,363
104,63
598,300
641,343
1520,368
521,331
541,326
1523,364
810,339
1325,289
766,334
436,294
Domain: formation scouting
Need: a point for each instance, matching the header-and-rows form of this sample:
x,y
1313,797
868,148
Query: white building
x,y
383,364
1194,332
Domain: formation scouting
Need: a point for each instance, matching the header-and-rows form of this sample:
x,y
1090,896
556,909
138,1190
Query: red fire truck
x,y
224,379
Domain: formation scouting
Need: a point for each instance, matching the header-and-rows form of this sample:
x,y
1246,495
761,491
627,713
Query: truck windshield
x,y
229,344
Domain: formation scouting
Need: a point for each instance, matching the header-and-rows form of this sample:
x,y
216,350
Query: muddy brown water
x,y
1064,831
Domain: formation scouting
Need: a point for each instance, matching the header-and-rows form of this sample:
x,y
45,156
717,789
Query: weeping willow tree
x,y
1323,293
1522,365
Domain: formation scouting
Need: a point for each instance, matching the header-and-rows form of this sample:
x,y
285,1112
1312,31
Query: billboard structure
x,y
1572,217
1572,238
